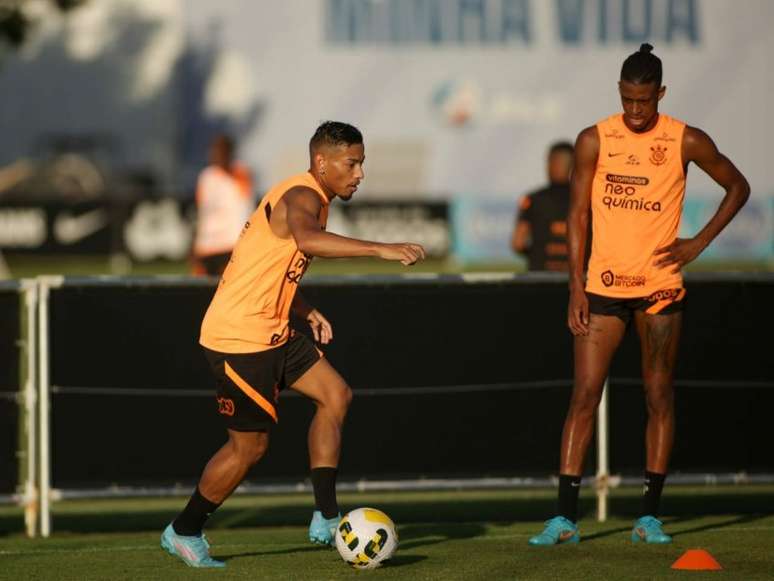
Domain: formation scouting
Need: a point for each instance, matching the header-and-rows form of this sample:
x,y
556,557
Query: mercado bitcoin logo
x,y
620,191
621,280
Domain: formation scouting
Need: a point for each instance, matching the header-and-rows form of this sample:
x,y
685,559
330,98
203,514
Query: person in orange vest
x,y
254,353
224,200
629,177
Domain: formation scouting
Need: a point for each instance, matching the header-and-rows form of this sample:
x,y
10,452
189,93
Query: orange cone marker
x,y
697,560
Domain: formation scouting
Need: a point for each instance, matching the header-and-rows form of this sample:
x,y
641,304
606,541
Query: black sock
x,y
324,485
569,487
190,522
654,484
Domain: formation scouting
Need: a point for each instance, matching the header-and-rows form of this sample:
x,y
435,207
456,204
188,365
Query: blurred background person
x,y
541,223
224,201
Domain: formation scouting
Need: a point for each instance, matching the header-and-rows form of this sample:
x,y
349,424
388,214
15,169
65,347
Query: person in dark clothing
x,y
541,223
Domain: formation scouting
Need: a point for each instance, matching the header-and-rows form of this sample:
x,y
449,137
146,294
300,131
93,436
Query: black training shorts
x,y
248,384
662,302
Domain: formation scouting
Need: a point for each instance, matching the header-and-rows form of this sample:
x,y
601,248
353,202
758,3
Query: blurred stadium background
x,y
108,106
106,109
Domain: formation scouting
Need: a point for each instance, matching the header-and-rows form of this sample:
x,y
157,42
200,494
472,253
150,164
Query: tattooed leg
x,y
659,338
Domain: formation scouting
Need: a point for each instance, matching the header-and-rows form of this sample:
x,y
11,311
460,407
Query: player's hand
x,y
404,252
578,312
321,328
676,255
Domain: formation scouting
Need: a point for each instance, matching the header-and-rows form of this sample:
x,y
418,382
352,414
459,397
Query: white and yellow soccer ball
x,y
366,538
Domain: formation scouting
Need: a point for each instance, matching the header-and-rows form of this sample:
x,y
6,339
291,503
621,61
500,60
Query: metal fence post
x,y
603,469
45,283
30,498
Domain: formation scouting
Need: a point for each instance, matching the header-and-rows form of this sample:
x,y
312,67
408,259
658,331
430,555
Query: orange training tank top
x,y
636,204
250,311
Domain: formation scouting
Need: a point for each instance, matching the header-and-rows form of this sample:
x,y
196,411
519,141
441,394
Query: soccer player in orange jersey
x,y
254,353
630,172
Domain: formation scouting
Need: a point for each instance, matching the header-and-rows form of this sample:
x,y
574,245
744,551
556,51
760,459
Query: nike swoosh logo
x,y
615,154
70,229
563,536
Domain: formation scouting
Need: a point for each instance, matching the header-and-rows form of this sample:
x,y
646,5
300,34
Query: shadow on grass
x,y
402,560
397,561
422,535
671,522
603,534
737,520
411,537
292,550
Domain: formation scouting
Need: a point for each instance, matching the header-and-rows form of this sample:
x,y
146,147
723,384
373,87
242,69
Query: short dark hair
x,y
333,133
642,67
223,140
561,147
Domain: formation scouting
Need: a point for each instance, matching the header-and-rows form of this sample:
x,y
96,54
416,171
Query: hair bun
x,y
645,47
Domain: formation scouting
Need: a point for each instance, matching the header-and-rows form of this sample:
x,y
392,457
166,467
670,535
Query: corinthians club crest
x,y
658,154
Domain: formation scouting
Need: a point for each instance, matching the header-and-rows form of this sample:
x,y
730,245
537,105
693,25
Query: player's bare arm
x,y
699,148
302,207
586,153
321,327
521,237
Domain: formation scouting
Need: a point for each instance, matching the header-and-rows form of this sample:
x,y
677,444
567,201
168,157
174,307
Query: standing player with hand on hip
x,y
630,172
254,353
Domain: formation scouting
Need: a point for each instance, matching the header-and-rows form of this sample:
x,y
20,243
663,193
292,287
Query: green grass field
x,y
444,535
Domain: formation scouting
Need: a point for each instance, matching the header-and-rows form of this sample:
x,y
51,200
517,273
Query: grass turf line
x,y
444,535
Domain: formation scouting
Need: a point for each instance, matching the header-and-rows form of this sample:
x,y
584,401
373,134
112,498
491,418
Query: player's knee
x,y
584,400
337,399
342,398
661,402
348,395
251,449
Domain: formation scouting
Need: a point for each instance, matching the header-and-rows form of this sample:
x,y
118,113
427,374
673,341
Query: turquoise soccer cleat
x,y
194,551
321,530
558,531
648,530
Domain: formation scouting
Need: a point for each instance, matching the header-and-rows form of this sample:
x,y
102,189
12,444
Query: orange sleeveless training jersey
x,y
636,204
251,309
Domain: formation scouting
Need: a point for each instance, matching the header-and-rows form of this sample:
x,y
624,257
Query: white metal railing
x,y
602,483
44,412
30,499
47,494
